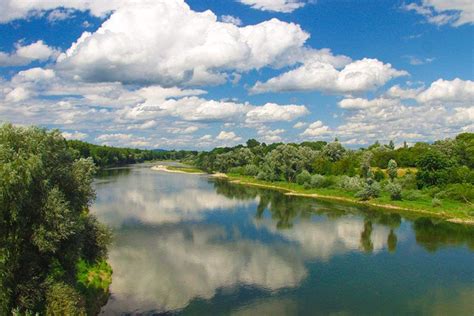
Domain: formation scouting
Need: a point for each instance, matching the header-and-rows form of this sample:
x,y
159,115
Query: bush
x,y
350,183
395,191
63,299
408,181
435,202
370,190
320,181
463,192
303,177
379,175
237,170
412,195
251,170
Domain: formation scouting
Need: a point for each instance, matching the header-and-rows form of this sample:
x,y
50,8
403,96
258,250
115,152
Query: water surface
x,y
188,244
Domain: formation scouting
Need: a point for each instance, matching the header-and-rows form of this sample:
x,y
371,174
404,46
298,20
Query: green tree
x,y
392,169
45,227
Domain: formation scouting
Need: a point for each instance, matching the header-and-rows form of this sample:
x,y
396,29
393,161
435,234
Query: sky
x,y
197,74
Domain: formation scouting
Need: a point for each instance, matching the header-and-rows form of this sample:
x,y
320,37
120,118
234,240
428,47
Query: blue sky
x,y
198,74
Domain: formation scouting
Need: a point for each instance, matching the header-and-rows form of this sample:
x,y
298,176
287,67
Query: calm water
x,y
191,245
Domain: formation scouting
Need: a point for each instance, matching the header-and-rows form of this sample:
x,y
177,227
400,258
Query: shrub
x,y
370,190
435,202
408,181
320,181
63,299
395,191
392,169
237,170
303,177
379,175
350,183
463,192
412,195
251,170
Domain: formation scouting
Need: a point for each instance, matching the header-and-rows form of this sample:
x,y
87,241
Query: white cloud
x,y
300,125
270,136
60,15
456,90
167,43
285,6
358,76
272,112
25,54
228,136
75,135
316,129
441,12
442,110
359,103
231,19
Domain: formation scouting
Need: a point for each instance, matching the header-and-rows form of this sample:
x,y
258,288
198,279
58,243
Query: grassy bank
x,y
453,211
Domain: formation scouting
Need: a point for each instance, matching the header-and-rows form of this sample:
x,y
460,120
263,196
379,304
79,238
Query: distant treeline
x,y
105,156
333,158
446,167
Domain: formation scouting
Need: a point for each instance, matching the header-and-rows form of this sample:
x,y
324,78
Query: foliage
x,y
303,177
351,184
433,169
365,164
105,156
392,169
63,299
379,175
370,190
334,151
395,190
438,167
45,228
436,202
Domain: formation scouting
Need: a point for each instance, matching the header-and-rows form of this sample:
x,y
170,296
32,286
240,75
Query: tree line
x,y
441,170
106,156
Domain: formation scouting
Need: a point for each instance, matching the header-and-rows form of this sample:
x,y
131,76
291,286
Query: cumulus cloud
x,y
360,103
358,76
75,135
440,110
272,112
285,6
228,136
456,90
300,125
231,19
316,129
167,43
12,10
25,54
441,12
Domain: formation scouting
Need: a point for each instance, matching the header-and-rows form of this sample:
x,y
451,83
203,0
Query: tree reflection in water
x,y
431,234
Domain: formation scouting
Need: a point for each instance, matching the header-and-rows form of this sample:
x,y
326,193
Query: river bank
x,y
450,211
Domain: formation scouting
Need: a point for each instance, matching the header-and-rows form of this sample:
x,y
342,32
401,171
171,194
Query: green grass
x,y
93,280
449,209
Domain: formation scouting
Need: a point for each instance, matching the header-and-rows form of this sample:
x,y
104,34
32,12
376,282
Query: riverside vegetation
x,y
52,250
433,178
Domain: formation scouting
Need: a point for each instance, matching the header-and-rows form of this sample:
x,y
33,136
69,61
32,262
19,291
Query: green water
x,y
188,244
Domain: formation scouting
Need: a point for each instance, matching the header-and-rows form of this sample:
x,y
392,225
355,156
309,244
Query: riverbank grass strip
x,y
450,210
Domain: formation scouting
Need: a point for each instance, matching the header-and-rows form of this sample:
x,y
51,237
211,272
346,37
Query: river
x,y
192,245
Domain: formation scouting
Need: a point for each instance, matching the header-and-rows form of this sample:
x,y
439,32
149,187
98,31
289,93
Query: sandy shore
x,y
165,169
